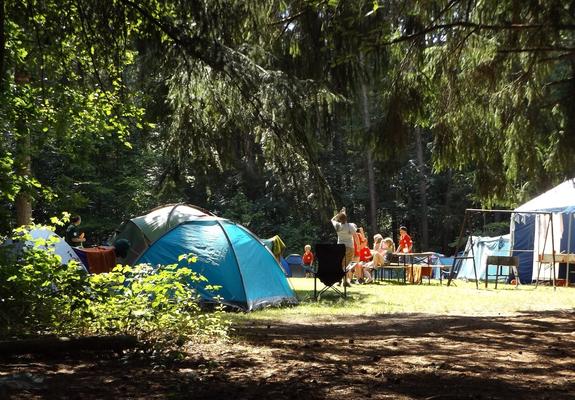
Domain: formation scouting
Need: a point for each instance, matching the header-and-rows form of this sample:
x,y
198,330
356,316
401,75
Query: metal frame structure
x,y
469,211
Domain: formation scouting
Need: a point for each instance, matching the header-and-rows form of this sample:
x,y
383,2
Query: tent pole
x,y
568,250
512,234
474,267
538,255
459,239
511,243
249,306
553,253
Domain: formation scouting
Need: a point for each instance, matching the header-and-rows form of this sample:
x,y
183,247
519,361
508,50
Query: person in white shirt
x,y
346,234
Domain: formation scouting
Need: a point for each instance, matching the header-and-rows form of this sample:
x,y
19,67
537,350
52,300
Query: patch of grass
x,y
389,298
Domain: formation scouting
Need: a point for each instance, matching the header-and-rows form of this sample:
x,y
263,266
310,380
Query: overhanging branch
x,y
476,26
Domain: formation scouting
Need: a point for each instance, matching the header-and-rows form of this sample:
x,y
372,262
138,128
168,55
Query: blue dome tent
x,y
228,255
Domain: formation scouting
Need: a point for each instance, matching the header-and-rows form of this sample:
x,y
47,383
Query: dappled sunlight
x,y
404,355
524,352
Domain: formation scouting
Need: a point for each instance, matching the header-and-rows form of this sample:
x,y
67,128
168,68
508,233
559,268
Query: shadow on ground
x,y
398,356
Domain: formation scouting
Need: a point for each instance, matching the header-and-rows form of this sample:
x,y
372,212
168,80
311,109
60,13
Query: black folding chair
x,y
329,269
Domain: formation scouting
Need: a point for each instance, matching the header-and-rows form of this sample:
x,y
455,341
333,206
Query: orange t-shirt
x,y
364,254
405,243
307,258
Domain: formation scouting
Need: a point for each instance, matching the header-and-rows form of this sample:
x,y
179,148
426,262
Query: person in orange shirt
x,y
413,273
405,242
362,272
307,260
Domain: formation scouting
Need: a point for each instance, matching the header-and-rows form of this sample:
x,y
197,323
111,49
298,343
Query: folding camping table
x,y
564,258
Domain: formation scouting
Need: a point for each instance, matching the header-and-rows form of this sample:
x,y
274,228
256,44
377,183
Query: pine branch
x,y
476,26
536,49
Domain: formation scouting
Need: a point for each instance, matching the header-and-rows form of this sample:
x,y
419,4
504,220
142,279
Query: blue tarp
x,y
523,239
482,248
229,256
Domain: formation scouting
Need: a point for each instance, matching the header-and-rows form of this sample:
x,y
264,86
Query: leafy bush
x,y
37,292
39,295
157,305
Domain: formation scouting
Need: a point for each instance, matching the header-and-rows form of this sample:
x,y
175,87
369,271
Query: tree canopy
x,y
277,112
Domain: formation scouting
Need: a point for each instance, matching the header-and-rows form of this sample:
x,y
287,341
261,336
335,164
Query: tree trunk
x,y
424,228
54,345
2,44
372,216
23,169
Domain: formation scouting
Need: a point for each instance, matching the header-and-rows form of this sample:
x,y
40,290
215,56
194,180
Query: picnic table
x,y
414,266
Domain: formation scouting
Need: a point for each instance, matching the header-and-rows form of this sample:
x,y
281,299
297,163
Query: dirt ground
x,y
526,356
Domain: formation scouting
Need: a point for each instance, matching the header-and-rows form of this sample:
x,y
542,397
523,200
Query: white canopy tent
x,y
545,234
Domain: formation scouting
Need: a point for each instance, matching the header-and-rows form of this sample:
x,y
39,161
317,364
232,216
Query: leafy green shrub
x,y
39,295
157,305
37,292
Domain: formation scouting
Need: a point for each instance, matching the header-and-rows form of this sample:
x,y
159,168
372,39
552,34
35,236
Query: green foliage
x,y
239,208
63,88
494,229
496,90
257,110
39,295
157,305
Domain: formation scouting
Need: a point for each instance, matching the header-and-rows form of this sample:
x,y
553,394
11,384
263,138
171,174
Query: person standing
x,y
307,260
346,235
405,242
74,237
413,273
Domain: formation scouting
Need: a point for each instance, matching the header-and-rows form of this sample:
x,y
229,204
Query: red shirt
x,y
358,238
405,243
307,258
364,254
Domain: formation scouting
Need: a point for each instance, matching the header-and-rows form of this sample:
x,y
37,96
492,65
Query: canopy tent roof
x,y
559,199
536,235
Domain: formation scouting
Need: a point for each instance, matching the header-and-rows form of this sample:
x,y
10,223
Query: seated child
x,y
364,257
388,250
307,261
382,251
378,251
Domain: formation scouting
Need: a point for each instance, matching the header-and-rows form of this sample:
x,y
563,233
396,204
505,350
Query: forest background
x,y
276,113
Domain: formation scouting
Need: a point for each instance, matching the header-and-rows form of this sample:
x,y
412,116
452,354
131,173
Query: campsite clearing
x,y
461,298
386,342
